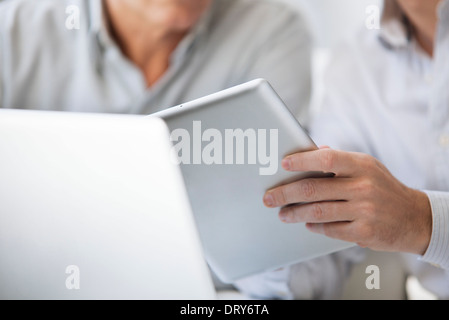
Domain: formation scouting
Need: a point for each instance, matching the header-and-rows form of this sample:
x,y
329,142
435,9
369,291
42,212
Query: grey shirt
x,y
46,66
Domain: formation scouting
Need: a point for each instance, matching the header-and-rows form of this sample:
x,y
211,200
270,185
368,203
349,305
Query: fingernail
x,y
286,164
283,216
268,200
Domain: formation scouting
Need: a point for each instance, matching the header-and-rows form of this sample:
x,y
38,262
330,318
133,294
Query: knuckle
x,y
370,163
366,159
317,212
368,208
282,195
365,186
308,188
328,160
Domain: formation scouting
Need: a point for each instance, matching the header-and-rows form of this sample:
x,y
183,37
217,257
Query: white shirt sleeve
x,y
438,251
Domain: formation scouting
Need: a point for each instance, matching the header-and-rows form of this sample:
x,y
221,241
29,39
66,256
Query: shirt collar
x,y
396,30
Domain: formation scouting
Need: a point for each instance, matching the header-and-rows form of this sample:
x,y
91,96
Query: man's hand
x,y
363,203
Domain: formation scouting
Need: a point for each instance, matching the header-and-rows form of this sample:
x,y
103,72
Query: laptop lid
x,y
93,208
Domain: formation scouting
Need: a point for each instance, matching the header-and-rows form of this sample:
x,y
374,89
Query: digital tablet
x,y
230,146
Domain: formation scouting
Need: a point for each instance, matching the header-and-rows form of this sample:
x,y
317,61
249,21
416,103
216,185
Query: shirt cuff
x,y
438,251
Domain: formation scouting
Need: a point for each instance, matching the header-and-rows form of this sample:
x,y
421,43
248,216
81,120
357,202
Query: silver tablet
x,y
230,146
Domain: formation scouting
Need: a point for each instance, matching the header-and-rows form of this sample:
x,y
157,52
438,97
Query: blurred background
x,y
332,20
330,23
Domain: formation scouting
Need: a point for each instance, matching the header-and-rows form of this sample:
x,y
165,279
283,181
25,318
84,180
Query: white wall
x,y
330,21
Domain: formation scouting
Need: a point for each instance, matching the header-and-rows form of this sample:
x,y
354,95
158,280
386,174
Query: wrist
x,y
423,230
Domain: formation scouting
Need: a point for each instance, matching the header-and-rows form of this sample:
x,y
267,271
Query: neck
x,y
148,45
426,39
424,17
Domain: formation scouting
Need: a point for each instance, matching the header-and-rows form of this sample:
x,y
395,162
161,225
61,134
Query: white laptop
x,y
91,207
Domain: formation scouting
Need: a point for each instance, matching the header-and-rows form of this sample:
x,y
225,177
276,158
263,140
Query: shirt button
x,y
444,140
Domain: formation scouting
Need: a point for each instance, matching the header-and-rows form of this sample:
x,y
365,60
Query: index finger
x,y
324,160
